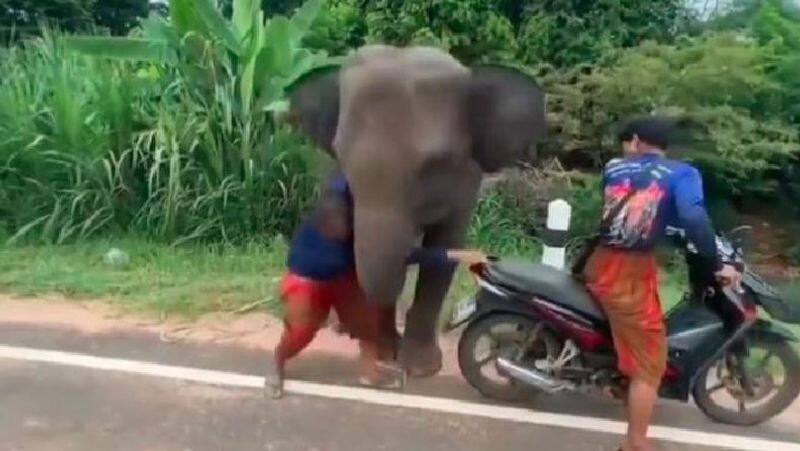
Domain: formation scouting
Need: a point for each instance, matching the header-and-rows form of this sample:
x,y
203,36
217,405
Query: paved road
x,y
54,407
47,408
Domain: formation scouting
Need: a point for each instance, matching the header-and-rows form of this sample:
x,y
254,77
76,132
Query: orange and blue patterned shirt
x,y
646,193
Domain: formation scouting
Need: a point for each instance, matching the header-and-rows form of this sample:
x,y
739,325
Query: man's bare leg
x,y
642,396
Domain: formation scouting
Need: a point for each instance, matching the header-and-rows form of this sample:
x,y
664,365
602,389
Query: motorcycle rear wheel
x,y
726,380
507,335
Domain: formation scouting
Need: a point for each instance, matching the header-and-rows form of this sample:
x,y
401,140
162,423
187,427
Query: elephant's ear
x,y
507,115
314,105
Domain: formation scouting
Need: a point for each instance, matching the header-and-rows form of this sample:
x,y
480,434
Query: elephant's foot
x,y
420,358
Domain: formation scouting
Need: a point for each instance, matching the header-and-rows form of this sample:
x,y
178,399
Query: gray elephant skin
x,y
414,130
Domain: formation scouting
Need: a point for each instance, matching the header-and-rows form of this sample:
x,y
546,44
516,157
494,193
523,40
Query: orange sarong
x,y
625,283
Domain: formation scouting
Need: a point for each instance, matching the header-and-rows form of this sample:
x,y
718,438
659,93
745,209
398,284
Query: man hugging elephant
x,y
413,131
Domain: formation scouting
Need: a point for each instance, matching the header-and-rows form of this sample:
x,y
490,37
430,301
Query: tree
x,y
735,15
567,32
26,14
471,30
339,27
270,7
721,81
119,16
777,26
558,32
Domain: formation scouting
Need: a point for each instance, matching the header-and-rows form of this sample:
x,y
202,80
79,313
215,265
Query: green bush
x,y
171,133
511,215
498,227
740,86
555,31
339,27
721,81
118,16
565,33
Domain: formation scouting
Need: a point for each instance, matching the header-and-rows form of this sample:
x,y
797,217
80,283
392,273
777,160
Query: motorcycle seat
x,y
556,285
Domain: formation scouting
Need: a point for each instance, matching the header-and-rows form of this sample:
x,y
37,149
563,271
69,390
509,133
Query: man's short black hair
x,y
330,205
651,130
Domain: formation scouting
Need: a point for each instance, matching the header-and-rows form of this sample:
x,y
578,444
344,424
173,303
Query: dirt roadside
x,y
257,331
251,330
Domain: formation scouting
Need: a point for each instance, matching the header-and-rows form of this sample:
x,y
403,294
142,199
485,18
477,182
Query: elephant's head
x,y
413,129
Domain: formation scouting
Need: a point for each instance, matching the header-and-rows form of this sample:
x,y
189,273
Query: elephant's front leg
x,y
419,351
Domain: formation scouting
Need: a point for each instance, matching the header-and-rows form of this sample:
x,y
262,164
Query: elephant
x,y
414,130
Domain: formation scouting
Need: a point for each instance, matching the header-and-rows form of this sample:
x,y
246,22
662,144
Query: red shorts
x,y
359,316
626,286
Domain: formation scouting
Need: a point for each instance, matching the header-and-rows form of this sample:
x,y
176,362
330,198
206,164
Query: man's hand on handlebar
x,y
730,276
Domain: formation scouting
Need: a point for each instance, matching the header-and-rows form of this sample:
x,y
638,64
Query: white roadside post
x,y
559,213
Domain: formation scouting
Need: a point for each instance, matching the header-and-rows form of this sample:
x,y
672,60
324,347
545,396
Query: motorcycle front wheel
x,y
749,389
516,337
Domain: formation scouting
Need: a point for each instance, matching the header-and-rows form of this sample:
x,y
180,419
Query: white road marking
x,y
383,398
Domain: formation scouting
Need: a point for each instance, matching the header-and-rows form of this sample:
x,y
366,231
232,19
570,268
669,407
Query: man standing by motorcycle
x,y
643,193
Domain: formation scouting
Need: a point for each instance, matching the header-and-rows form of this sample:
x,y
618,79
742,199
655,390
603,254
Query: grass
x,y
192,280
91,147
186,281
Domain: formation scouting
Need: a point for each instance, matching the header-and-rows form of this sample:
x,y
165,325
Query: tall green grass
x,y
50,138
91,147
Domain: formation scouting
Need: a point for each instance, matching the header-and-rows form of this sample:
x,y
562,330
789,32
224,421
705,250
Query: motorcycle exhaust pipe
x,y
532,377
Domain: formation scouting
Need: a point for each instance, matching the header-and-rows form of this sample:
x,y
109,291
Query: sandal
x,y
383,375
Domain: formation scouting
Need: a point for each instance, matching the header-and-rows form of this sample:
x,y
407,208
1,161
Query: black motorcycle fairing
x,y
689,324
489,302
770,299
556,285
768,330
757,284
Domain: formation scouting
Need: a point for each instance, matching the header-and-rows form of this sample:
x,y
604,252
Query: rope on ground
x,y
166,334
251,306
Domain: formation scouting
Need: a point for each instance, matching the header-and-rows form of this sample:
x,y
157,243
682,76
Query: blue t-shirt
x,y
646,193
318,257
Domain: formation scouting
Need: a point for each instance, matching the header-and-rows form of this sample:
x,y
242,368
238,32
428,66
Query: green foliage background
x,y
170,133
117,16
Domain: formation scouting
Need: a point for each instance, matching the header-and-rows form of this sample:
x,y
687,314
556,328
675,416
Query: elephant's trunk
x,y
383,240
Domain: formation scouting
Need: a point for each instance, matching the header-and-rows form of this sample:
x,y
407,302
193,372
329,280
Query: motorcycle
x,y
534,329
